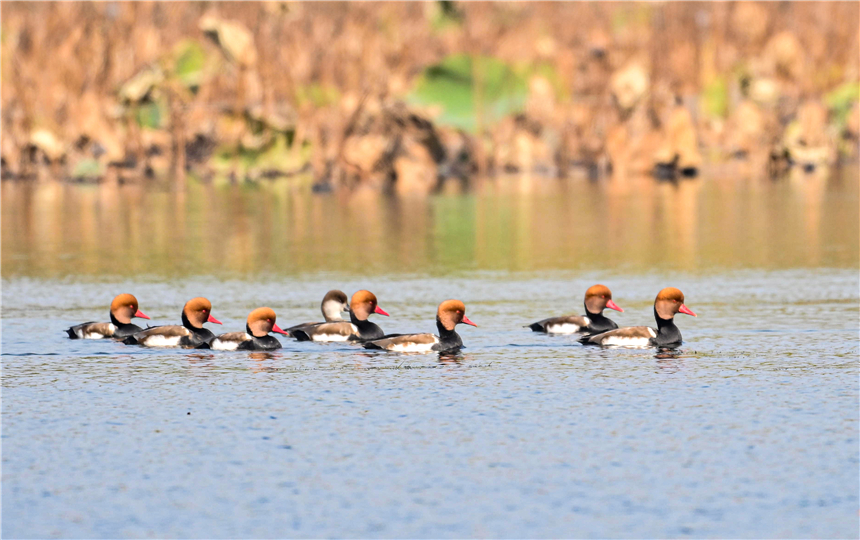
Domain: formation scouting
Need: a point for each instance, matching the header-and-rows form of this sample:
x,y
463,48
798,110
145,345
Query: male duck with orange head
x,y
256,336
669,302
122,309
191,334
449,314
597,298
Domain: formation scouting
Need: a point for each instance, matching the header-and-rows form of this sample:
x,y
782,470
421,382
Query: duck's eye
x,y
603,296
131,306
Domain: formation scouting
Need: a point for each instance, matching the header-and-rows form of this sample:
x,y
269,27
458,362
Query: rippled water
x,y
749,430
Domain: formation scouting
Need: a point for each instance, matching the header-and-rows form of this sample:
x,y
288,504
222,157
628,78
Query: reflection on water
x,y
57,229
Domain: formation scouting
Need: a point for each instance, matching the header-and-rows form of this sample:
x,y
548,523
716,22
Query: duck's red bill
x,y
214,320
380,311
686,310
612,305
467,321
141,315
278,330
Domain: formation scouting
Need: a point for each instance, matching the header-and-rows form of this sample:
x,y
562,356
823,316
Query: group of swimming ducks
x,y
596,329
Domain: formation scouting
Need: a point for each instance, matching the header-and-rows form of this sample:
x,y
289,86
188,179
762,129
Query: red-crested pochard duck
x,y
122,309
668,302
449,314
597,298
333,304
358,328
256,336
191,334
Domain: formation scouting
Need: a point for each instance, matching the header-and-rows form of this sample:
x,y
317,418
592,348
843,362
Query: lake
x,y
748,430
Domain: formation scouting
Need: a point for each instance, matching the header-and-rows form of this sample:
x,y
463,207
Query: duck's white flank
x,y
415,347
626,341
566,328
333,337
228,345
95,335
329,337
161,341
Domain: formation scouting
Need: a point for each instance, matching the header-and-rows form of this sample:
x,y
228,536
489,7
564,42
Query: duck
x,y
449,314
597,298
669,302
333,304
188,336
256,336
358,328
123,308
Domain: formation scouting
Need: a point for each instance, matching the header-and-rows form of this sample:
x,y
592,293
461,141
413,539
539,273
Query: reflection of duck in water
x,y
669,359
668,353
597,298
333,304
669,302
191,334
261,356
362,305
452,358
122,309
449,314
256,336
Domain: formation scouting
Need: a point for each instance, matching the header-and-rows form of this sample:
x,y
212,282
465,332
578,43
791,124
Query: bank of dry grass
x,y
122,90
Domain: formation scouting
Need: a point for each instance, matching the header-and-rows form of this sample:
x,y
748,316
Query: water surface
x,y
750,429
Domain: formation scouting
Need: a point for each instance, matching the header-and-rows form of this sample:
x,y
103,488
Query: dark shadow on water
x,y
261,356
669,359
665,353
451,358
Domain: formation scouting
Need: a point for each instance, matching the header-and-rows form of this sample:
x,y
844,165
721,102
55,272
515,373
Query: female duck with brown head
x,y
122,309
669,302
333,304
362,305
256,336
191,334
597,298
449,314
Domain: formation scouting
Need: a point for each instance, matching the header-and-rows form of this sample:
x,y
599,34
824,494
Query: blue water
x,y
749,430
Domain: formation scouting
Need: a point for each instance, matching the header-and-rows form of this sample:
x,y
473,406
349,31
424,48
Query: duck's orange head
x,y
670,301
261,321
198,311
364,303
599,297
451,313
124,307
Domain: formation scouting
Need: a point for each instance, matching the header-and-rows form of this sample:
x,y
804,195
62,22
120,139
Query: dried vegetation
x,y
404,96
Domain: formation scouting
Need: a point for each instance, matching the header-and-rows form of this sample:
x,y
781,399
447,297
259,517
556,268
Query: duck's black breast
x,y
599,324
449,340
265,343
367,331
667,333
125,330
668,338
198,336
